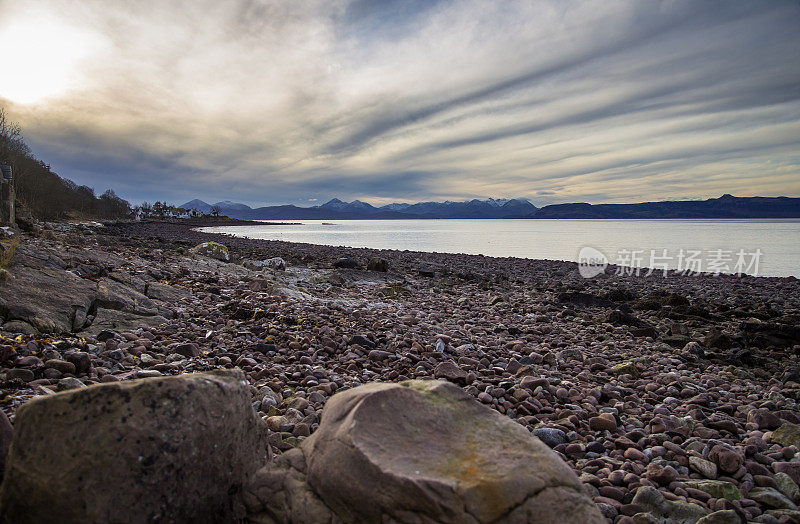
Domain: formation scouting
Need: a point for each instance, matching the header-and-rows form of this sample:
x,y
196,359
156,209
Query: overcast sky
x,y
274,101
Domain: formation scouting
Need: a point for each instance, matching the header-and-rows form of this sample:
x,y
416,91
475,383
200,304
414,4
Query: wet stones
x,y
727,460
787,486
362,341
718,340
550,436
705,467
663,475
377,355
789,468
81,360
450,371
772,498
654,503
61,366
604,422
20,374
187,349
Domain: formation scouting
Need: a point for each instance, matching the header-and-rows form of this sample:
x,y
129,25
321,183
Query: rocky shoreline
x,y
670,398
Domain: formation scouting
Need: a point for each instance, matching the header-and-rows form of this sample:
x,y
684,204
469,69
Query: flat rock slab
x,y
45,298
152,450
113,320
51,299
165,292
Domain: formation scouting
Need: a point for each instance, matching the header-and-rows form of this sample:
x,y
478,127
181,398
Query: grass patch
x,y
7,255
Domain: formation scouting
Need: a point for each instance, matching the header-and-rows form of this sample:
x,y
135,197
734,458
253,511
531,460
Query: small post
x,y
6,196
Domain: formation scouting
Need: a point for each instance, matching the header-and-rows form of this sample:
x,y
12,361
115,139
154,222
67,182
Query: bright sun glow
x,y
41,59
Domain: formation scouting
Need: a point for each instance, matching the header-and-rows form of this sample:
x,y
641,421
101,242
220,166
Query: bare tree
x,y
215,210
42,192
10,138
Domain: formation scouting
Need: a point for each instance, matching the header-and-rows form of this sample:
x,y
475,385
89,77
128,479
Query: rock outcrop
x,y
378,264
276,263
346,263
212,250
54,292
47,298
418,451
162,449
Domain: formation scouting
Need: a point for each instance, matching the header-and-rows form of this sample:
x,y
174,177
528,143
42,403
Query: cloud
x,y
267,101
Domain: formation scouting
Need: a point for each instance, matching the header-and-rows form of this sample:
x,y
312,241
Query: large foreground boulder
x,y
6,435
153,450
419,451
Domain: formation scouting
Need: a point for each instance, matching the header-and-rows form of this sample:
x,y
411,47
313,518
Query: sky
x,y
271,101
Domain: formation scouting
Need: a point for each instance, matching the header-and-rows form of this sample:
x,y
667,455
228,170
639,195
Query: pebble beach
x,y
666,395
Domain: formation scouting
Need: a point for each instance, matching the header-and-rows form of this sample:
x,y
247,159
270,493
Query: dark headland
x,y
669,398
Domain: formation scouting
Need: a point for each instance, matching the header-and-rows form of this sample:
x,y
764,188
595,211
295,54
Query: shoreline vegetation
x,y
42,194
661,395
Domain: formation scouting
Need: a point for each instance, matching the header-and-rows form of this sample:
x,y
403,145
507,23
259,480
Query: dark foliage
x,y
46,195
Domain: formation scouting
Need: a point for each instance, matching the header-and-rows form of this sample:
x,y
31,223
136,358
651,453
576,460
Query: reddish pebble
x,y
635,454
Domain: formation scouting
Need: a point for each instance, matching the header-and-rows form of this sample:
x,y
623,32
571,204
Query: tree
x,y
215,210
112,206
42,192
10,138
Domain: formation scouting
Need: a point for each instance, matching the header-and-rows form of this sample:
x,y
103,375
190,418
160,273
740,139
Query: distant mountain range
x,y
336,209
726,206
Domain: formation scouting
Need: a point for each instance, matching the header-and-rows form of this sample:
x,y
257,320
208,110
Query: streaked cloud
x,y
268,101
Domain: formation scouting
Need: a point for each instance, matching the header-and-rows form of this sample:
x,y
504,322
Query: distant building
x,y
6,195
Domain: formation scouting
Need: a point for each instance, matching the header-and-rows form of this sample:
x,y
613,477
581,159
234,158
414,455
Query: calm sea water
x,y
722,244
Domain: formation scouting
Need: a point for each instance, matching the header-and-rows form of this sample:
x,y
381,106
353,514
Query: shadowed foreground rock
x,y
164,449
418,451
6,435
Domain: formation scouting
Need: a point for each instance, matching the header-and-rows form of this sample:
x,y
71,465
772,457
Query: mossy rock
x,y
719,489
212,250
625,368
787,435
